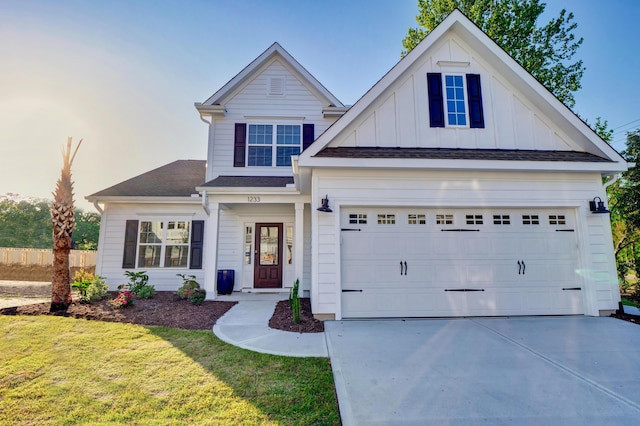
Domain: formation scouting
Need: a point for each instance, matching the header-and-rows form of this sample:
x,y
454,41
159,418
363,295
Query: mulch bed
x,y
282,318
168,310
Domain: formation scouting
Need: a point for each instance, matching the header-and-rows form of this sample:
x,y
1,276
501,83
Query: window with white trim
x,y
269,145
557,219
530,219
444,219
163,244
455,100
386,219
474,219
358,218
416,219
501,219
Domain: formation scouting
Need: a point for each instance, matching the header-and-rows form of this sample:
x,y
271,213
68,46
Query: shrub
x,y
138,284
191,290
91,287
294,301
123,299
81,281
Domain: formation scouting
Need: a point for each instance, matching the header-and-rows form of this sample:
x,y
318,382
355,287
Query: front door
x,y
268,256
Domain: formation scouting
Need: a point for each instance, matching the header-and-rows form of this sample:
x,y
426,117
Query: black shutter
x,y
474,93
130,243
308,135
436,100
197,243
239,144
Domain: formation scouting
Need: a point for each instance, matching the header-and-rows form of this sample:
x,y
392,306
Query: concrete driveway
x,y
489,371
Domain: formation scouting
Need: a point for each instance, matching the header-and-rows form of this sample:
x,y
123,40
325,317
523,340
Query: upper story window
x,y
456,109
463,96
270,145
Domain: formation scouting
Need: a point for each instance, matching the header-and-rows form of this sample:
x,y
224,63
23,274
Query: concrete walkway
x,y
246,325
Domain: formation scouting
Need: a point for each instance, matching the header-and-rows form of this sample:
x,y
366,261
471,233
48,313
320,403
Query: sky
x,y
124,75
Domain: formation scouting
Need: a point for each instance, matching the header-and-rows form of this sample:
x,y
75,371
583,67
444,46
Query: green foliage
x,y
294,301
27,224
91,287
545,51
138,284
191,290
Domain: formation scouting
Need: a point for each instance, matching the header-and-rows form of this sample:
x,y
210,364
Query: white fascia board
x,y
247,190
244,75
439,164
145,200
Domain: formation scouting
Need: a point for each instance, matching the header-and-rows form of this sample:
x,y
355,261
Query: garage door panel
x,y
521,269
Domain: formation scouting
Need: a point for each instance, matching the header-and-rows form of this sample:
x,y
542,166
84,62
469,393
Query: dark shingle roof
x,y
460,154
250,182
177,179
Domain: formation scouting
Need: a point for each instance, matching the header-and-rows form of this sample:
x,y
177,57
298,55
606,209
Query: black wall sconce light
x,y
598,206
325,205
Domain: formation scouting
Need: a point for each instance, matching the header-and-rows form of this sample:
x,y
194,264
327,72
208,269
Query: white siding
x,y
400,115
112,230
252,104
463,189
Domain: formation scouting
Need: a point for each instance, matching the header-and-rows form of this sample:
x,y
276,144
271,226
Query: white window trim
x,y
163,245
274,142
466,100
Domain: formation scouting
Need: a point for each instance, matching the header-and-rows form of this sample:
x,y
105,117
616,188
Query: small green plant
x,y
91,287
123,299
138,284
294,301
191,290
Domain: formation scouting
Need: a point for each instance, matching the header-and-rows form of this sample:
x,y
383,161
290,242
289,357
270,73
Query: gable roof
x,y
471,34
177,179
247,74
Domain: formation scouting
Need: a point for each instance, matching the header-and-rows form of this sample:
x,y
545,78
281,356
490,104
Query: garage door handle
x,y
401,269
405,267
351,291
464,289
523,267
572,288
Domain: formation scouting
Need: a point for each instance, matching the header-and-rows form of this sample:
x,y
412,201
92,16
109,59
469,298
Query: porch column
x,y
211,251
298,255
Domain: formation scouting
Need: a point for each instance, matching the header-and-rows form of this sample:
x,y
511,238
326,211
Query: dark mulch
x,y
626,317
164,309
282,318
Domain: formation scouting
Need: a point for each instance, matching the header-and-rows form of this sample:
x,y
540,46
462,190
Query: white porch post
x,y
211,251
298,256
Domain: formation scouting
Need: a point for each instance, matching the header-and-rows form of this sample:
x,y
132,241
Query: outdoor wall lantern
x,y
325,205
598,206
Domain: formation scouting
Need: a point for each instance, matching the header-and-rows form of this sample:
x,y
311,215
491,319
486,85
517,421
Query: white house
x,y
456,186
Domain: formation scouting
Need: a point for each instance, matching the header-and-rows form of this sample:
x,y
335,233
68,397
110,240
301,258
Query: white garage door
x,y
428,263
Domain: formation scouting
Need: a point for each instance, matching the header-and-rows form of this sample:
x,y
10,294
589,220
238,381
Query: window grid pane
x,y
444,219
416,219
285,153
474,219
530,219
456,106
288,135
386,219
557,219
501,219
260,134
259,156
358,218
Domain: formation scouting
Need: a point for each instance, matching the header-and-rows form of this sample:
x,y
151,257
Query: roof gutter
x,y
97,207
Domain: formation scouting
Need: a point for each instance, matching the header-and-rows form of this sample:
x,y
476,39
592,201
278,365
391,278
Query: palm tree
x,y
62,216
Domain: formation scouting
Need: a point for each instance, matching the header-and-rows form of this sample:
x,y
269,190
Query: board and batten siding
x,y
111,242
252,104
400,115
463,189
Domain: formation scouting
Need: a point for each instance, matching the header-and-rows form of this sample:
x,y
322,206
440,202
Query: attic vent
x,y
276,86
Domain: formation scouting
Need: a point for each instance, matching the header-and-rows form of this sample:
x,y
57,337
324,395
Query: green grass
x,y
56,370
629,302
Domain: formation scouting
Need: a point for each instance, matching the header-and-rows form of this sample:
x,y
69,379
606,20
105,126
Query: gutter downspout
x,y
205,202
97,206
204,121
611,181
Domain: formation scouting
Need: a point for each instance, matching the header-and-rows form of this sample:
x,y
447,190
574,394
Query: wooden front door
x,y
268,256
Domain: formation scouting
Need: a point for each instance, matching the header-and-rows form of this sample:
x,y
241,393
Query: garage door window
x,y
417,219
557,219
386,219
501,219
530,219
444,219
358,218
474,219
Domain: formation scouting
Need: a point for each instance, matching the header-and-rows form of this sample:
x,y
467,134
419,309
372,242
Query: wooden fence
x,y
44,257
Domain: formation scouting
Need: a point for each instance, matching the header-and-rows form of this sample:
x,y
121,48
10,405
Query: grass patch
x,y
629,302
56,370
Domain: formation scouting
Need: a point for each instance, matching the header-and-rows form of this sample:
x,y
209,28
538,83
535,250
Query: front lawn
x,y
56,370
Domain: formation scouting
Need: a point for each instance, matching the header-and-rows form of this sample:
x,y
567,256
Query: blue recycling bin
x,y
226,281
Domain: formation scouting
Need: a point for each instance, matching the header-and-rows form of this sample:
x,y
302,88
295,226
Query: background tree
x,y
62,216
545,51
26,223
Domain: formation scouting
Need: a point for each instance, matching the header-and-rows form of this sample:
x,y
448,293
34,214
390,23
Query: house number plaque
x,y
253,199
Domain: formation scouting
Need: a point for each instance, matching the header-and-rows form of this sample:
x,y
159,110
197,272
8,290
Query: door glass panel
x,y
269,245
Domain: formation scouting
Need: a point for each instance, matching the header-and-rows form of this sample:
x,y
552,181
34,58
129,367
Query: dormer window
x,y
463,97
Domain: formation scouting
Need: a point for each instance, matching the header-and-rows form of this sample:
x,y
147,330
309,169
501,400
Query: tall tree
x,y
545,51
62,216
